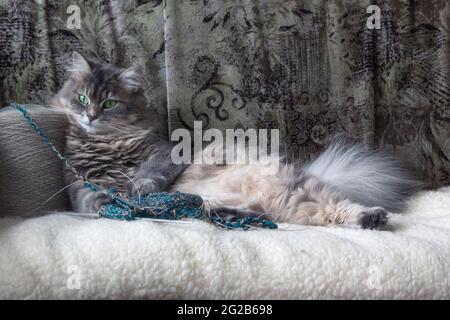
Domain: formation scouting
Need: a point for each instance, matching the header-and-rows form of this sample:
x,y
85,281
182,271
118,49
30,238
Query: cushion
x,y
30,173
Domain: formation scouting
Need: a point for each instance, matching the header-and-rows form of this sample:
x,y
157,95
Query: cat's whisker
x,y
159,213
68,114
119,130
54,195
131,180
276,217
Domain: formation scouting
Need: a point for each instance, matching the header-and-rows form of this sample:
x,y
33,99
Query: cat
x,y
111,141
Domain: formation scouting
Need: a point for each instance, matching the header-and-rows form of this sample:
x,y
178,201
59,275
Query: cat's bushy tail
x,y
366,176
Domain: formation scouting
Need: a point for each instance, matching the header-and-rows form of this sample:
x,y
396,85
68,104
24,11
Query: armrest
x,y
30,173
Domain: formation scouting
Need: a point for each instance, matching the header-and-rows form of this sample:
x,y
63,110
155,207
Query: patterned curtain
x,y
311,68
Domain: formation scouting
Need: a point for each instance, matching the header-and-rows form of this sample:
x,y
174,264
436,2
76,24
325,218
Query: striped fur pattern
x,y
114,147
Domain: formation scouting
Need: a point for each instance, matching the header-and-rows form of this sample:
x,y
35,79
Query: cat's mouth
x,y
82,121
96,126
87,125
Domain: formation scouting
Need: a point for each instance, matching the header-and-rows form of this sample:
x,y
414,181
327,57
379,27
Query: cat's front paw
x,y
94,201
375,218
142,187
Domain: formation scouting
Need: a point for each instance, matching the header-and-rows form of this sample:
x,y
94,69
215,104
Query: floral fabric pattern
x,y
312,69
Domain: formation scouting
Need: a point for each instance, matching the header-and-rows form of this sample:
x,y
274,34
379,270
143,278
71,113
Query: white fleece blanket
x,y
60,256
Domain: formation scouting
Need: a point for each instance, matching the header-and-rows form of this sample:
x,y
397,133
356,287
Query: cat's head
x,y
103,99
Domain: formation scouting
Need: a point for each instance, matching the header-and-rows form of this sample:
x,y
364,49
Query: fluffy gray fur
x,y
369,177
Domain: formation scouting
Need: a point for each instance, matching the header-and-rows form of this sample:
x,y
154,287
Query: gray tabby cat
x,y
110,141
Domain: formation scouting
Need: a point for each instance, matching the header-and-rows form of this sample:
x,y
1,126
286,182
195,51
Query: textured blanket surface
x,y
61,256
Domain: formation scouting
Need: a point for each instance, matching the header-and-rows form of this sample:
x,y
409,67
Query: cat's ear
x,y
79,67
132,78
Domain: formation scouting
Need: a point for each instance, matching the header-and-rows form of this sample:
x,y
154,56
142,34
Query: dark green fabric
x,y
310,68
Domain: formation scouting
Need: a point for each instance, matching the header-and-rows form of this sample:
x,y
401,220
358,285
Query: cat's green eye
x,y
84,100
109,104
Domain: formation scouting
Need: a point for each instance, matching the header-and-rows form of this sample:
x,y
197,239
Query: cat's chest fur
x,y
107,160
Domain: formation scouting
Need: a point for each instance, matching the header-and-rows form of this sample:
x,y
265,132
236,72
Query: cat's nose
x,y
91,117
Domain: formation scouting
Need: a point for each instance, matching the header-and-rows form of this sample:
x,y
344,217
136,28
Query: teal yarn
x,y
174,206
160,205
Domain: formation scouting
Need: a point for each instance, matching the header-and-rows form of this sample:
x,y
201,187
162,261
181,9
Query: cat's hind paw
x,y
375,218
